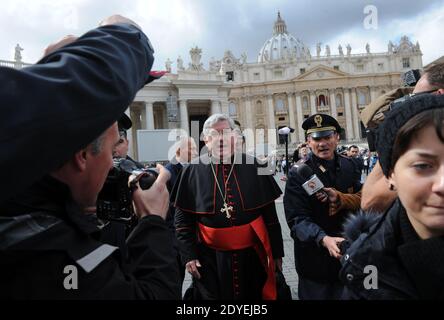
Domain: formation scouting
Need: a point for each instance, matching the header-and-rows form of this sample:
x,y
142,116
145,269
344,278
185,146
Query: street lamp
x,y
285,131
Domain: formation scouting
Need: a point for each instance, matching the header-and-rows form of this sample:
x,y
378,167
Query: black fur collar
x,y
359,223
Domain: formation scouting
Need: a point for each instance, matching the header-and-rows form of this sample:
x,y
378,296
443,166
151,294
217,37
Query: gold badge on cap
x,y
318,119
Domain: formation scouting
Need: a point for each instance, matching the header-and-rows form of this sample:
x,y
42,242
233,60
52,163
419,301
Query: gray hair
x,y
97,144
215,118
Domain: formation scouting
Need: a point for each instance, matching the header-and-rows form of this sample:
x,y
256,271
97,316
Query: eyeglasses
x,y
422,92
223,133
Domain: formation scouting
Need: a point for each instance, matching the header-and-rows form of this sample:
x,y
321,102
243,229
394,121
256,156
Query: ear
x,y
207,140
79,159
338,137
391,180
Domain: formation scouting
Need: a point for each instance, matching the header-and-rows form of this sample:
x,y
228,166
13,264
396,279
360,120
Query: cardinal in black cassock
x,y
226,223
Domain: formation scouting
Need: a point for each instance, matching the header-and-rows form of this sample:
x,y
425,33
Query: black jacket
x,y
72,95
42,231
407,267
174,168
309,220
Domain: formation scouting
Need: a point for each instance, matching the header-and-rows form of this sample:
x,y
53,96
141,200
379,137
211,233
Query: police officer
x,y
121,149
315,221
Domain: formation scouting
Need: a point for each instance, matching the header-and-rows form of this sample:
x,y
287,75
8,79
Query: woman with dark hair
x,y
400,254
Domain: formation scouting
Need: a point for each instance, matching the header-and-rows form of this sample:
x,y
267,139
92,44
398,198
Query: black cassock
x,y
227,274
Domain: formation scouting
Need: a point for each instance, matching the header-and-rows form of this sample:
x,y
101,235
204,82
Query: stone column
x,y
129,135
348,115
334,112
184,116
355,113
373,93
149,115
215,107
292,115
248,114
312,103
300,118
224,107
271,120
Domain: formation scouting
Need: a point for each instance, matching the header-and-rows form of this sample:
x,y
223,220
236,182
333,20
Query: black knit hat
x,y
398,116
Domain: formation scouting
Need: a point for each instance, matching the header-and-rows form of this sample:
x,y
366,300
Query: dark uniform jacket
x,y
309,220
406,267
42,231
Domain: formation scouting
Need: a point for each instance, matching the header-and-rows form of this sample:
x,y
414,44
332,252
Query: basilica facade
x,y
285,85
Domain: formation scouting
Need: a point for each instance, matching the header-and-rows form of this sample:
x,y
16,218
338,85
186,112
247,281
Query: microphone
x,y
312,183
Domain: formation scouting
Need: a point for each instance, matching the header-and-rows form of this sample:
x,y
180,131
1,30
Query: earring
x,y
392,187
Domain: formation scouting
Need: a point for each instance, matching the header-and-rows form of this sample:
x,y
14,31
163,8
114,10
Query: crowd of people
x,y
213,216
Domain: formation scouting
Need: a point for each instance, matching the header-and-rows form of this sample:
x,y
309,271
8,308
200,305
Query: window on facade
x,y
256,76
336,67
306,116
230,75
362,99
278,74
305,103
322,101
280,107
405,62
281,118
340,114
302,70
380,66
232,109
359,67
259,107
338,100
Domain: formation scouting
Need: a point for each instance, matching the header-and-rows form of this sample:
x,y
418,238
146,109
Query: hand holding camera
x,y
154,200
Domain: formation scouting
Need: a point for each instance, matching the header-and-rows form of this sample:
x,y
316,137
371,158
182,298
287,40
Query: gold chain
x,y
224,196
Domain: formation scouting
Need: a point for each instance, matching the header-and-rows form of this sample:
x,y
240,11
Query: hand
x,y
115,19
327,194
155,200
332,195
61,43
278,263
331,243
192,266
90,210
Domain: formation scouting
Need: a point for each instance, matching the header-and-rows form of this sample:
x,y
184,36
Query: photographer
x,y
71,95
376,194
49,247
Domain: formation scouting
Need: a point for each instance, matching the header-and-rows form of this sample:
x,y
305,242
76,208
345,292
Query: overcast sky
x,y
174,26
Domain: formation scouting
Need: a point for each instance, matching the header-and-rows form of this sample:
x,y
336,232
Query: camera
x,y
114,202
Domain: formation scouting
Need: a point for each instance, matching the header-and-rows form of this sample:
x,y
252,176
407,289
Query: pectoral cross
x,y
227,210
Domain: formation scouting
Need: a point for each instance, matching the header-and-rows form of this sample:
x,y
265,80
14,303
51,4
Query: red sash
x,y
245,236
